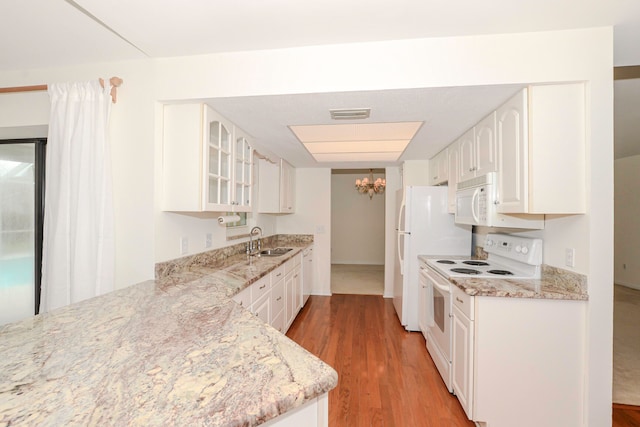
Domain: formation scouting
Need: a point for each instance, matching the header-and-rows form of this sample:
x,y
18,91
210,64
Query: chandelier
x,y
368,185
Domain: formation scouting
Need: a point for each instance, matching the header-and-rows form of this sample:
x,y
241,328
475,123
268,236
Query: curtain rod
x,y
114,81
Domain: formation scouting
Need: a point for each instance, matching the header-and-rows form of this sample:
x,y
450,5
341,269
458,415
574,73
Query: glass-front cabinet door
x,y
243,161
218,162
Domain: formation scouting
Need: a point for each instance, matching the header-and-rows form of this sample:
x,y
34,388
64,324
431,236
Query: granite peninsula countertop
x,y
171,351
555,283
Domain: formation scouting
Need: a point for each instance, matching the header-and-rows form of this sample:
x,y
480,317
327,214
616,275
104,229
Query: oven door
x,y
439,327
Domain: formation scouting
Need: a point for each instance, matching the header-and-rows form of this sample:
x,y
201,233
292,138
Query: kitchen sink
x,y
274,252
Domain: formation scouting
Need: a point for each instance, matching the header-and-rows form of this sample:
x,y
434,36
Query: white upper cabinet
x,y
439,168
453,157
478,149
206,164
541,140
276,193
287,187
243,155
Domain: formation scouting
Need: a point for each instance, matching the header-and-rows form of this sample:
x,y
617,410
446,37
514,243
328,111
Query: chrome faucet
x,y
251,248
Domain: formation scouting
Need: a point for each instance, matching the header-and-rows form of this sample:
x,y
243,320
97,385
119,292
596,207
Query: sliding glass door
x,y
21,214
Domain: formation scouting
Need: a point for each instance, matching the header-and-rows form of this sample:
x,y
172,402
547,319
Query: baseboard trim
x,y
626,407
628,285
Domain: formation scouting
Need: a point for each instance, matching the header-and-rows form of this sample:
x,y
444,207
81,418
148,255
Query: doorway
x,y
22,164
357,234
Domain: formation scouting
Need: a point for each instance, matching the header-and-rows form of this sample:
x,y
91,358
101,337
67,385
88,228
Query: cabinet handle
x,y
295,276
263,286
459,300
279,274
278,299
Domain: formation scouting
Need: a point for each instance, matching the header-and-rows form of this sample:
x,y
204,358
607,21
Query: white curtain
x,y
78,241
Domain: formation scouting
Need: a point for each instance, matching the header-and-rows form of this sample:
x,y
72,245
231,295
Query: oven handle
x,y
434,282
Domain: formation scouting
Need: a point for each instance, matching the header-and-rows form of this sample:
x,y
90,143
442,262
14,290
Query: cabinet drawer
x,y
289,266
277,274
277,297
464,302
259,288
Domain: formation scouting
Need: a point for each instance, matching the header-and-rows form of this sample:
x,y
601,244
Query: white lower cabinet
x,y
293,289
519,361
462,351
423,300
262,308
307,275
278,306
277,297
314,413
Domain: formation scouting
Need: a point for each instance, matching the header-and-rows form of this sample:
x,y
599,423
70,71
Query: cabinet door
x,y
423,303
466,144
262,308
453,157
439,168
278,298
297,291
462,360
290,295
485,136
243,155
217,162
307,275
287,187
512,144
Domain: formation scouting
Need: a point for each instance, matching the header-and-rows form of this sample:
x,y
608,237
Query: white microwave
x,y
476,205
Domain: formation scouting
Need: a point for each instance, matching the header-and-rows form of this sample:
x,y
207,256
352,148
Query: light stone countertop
x,y
555,283
173,351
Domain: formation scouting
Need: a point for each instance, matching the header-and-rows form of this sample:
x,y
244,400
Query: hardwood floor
x,y
386,377
626,415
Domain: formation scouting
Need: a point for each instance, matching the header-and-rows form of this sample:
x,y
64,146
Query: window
x,y
22,164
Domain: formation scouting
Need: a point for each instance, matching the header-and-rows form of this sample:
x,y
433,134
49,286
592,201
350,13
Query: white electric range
x,y
510,257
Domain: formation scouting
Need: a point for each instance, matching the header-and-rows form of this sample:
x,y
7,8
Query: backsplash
x,y
565,279
216,258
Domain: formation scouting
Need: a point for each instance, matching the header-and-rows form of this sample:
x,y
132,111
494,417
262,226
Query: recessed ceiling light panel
x,y
356,142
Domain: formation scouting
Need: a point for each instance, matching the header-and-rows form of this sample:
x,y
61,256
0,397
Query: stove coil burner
x,y
465,271
476,263
500,272
445,261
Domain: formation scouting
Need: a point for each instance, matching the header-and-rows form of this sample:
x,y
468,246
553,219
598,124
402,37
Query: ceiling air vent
x,y
350,114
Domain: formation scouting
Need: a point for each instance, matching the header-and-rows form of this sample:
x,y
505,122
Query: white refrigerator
x,y
424,227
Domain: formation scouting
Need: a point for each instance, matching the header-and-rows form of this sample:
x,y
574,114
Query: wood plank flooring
x,y
626,415
386,377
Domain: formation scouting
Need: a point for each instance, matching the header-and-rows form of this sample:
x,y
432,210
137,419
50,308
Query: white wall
x,y
461,61
313,216
627,220
394,180
357,222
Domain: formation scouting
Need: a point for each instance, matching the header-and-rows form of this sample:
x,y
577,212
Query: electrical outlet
x,y
570,257
184,245
208,241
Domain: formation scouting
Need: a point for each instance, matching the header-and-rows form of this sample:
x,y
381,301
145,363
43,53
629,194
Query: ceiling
x,y
49,33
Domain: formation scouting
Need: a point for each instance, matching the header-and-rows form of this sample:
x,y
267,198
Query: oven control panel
x,y
523,249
